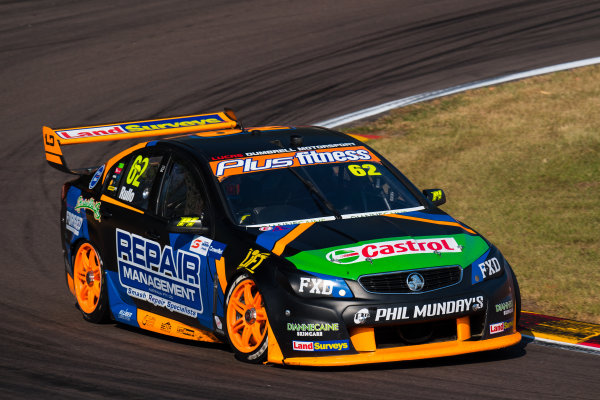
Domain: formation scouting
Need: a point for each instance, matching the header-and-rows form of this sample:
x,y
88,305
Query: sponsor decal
x,y
216,249
303,346
90,132
343,256
276,228
254,163
185,331
73,222
126,194
161,276
148,321
393,248
303,148
253,260
316,286
489,267
89,204
200,245
166,326
125,315
96,177
331,345
312,329
428,310
436,195
226,157
505,308
205,246
500,327
170,123
115,178
188,221
361,316
496,328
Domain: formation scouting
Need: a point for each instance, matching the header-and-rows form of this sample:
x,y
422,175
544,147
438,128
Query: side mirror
x,y
193,224
436,196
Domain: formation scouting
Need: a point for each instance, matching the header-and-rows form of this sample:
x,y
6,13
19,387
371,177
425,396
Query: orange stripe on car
x,y
118,203
221,273
431,221
294,233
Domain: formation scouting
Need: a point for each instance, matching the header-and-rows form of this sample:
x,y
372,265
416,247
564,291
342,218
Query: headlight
x,y
489,266
312,284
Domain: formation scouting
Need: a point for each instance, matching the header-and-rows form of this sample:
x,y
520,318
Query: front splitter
x,y
405,353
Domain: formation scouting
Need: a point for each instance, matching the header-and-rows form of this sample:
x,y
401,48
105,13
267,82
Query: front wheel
x,y
89,284
247,320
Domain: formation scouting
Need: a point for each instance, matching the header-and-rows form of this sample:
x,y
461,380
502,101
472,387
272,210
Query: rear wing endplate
x,y
54,138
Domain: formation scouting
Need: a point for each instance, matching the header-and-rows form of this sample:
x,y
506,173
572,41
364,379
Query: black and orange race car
x,y
297,245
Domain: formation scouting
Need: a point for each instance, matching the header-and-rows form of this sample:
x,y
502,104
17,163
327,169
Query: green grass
x,y
520,163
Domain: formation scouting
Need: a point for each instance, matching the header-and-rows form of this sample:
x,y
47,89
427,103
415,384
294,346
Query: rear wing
x,y
54,138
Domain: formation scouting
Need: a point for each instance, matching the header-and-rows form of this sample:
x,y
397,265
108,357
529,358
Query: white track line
x,y
369,112
563,345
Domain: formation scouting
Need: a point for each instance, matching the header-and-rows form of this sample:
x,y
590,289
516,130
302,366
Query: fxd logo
x,y
317,286
489,267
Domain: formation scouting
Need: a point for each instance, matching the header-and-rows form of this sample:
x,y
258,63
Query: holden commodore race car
x,y
295,245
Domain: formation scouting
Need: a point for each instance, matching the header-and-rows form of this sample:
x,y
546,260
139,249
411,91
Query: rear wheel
x,y
247,320
89,284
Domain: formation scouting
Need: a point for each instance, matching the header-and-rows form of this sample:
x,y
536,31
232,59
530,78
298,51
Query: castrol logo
x,y
391,248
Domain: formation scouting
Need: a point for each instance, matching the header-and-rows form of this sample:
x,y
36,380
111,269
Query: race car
x,y
295,245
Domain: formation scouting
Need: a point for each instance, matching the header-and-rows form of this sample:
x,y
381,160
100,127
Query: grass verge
x,y
520,163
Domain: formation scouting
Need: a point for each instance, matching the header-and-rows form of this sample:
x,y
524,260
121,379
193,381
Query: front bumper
x,y
365,339
384,335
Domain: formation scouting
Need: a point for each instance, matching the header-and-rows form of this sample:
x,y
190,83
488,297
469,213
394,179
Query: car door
x,y
132,234
183,206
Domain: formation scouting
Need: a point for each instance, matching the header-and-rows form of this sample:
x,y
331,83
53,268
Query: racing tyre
x,y
246,321
89,284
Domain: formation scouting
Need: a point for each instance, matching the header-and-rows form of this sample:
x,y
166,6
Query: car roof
x,y
239,143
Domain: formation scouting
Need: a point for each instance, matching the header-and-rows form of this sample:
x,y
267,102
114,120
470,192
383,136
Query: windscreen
x,y
310,185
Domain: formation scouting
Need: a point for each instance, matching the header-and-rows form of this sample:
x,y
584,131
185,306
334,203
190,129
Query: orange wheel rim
x,y
246,317
87,278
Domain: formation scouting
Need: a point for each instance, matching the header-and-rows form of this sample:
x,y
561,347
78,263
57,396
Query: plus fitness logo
x,y
393,248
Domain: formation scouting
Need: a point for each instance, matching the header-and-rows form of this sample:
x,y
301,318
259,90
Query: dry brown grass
x,y
520,162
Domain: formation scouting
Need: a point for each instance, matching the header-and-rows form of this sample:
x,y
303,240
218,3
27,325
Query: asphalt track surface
x,y
68,63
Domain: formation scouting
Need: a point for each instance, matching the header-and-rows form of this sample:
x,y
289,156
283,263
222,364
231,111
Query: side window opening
x,y
181,194
136,180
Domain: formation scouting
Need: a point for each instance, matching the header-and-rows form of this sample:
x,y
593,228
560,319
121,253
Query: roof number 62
x,y
363,170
